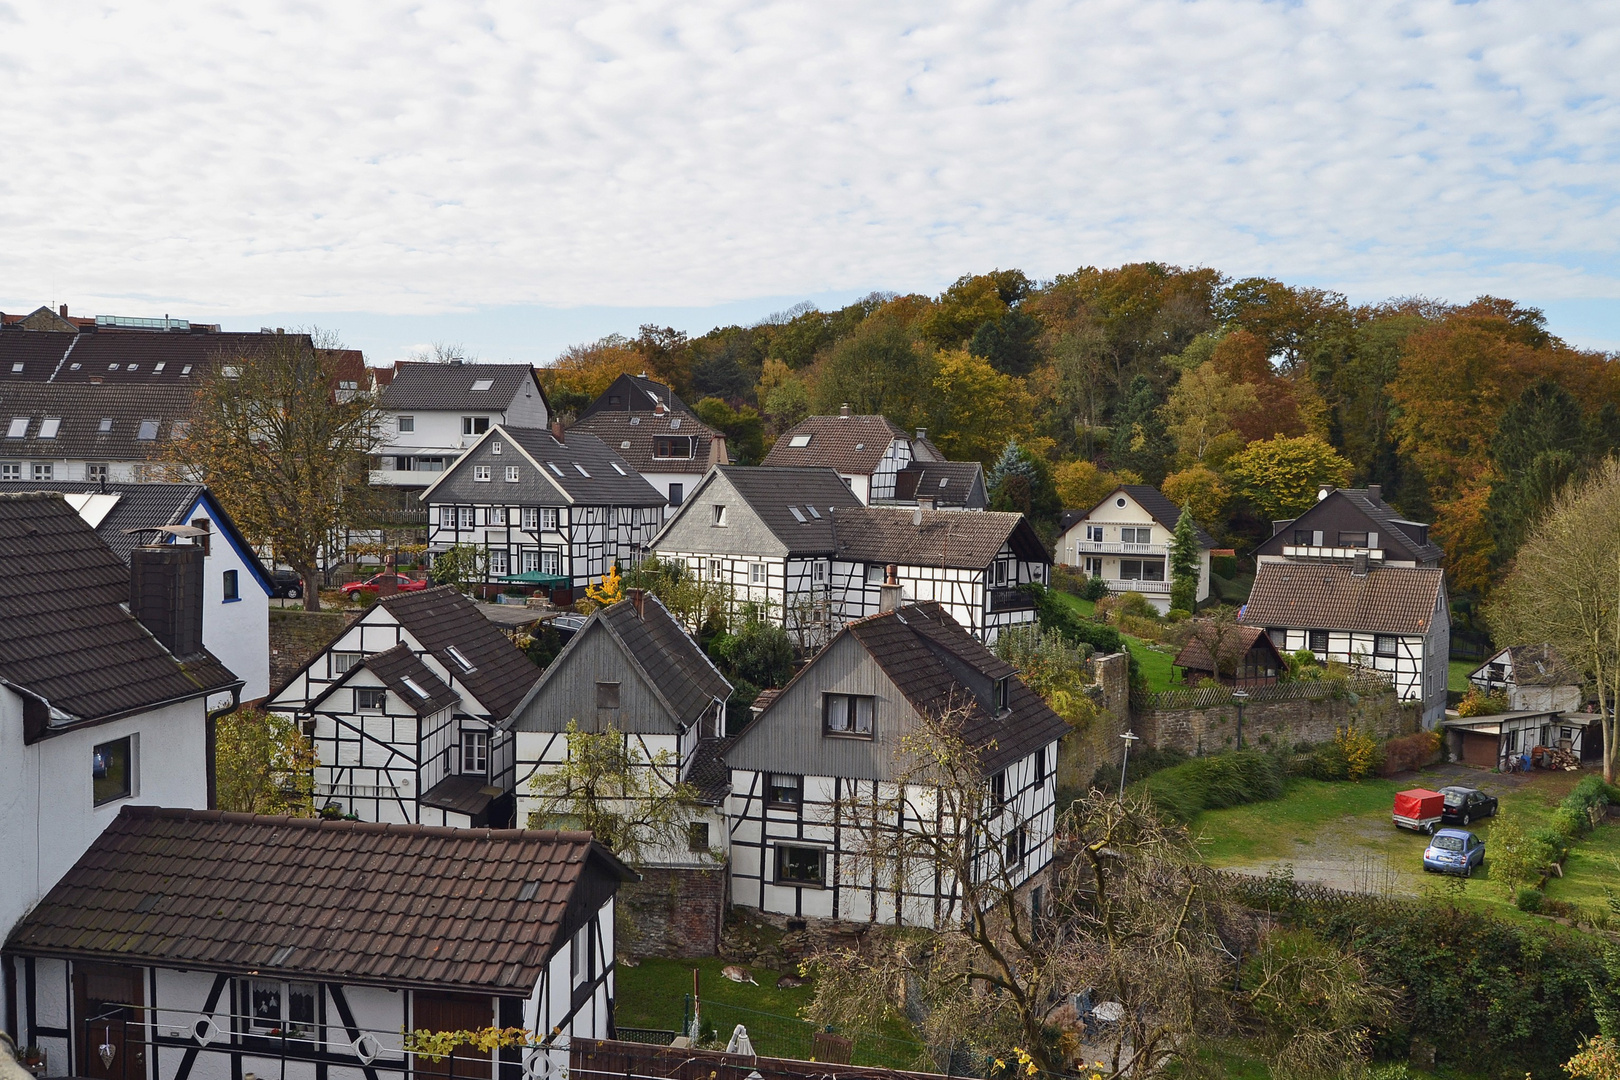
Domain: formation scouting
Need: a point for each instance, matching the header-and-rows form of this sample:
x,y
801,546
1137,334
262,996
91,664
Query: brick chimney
x,y
638,600
922,433
1358,567
889,594
557,430
166,594
64,311
843,410
717,450
207,528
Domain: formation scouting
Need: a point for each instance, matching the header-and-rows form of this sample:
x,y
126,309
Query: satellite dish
x,y
916,517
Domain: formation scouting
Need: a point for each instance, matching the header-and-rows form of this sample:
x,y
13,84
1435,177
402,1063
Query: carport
x,y
1486,740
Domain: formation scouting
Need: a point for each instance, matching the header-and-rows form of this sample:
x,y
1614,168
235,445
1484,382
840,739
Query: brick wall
x,y
676,912
1282,723
1099,743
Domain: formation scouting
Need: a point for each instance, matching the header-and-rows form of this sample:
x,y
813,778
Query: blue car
x,y
1454,851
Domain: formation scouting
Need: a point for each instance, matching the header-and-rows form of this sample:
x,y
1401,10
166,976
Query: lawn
x,y
1085,608
1457,674
1157,667
1592,871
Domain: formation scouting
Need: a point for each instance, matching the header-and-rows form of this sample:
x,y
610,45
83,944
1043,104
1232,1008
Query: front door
x,y
454,1012
107,1013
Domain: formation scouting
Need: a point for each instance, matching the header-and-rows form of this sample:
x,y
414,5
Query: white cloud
x,y
402,157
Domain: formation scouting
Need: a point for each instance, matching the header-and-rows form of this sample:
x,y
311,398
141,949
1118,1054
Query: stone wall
x,y
676,912
1098,743
1274,723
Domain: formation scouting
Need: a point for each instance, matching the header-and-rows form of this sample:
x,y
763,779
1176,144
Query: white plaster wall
x,y
238,631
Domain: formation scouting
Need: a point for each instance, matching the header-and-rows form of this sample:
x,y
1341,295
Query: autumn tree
x,y
1564,589
1200,411
581,374
1201,490
878,369
1279,403
1139,441
1281,476
286,454
742,426
975,409
1082,485
263,764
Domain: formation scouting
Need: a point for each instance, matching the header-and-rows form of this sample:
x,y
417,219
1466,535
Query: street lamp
x,y
1240,696
1129,737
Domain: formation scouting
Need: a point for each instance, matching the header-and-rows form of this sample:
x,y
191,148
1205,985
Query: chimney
x,y
166,594
843,410
717,450
658,408
922,433
557,430
206,526
1375,492
1358,568
638,600
889,594
64,311
1323,491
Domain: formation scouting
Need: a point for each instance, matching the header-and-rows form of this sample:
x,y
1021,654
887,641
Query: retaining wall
x,y
1213,728
674,911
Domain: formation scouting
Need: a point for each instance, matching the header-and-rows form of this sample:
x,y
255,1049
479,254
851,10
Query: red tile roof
x,y
1329,596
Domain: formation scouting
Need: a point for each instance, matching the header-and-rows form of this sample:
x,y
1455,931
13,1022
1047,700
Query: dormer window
x,y
1004,693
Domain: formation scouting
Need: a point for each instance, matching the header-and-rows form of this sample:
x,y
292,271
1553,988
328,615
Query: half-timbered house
x,y
767,535
407,707
837,732
196,945
1532,677
1391,619
1125,541
634,669
652,429
548,508
972,564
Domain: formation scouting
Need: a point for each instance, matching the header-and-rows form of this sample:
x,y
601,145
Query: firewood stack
x,y
1561,759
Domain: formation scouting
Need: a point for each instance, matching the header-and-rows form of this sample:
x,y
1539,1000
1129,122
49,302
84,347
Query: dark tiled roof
x,y
918,645
348,901
635,393
82,408
634,437
954,538
850,444
1330,596
1537,665
947,483
126,358
428,386
709,773
470,795
773,494
667,655
1390,525
605,486
1234,645
64,635
394,666
440,618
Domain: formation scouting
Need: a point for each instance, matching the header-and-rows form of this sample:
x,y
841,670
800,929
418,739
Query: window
x,y
719,514
714,569
276,1008
464,517
798,515
1303,538
148,430
672,446
800,865
820,572
481,473
407,423
998,788
370,699
757,573
1003,693
783,789
1001,573
551,562
581,470
1384,645
582,961
42,470
178,428
18,428
1040,765
460,658
474,753
1141,569
607,695
105,426
495,448
497,515
230,586
530,561
813,512
799,442
497,562
1318,641
474,425
112,770
1352,539
1136,536
511,474
1119,503
343,662
548,519
480,385
1015,846
552,465
875,573
96,470
531,518
697,836
1094,534
49,427
1093,566
848,714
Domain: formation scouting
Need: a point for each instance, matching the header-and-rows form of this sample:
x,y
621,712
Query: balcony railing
x,y
1302,551
1120,585
1098,547
1010,600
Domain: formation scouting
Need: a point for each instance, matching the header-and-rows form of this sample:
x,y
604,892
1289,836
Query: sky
x,y
516,177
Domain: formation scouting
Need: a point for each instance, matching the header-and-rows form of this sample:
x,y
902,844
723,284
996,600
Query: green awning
x,y
535,577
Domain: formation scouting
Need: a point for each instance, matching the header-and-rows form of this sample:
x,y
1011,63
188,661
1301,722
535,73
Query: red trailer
x,y
1419,809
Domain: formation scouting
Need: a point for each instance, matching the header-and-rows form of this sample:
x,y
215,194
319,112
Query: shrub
x,y
1474,703
1134,603
1326,761
1560,909
1139,627
1141,765
1094,589
1529,899
1362,754
1215,782
1406,752
1177,615
1054,614
1518,857
1302,667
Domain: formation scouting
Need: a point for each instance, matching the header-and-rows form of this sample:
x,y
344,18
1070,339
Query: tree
x,y
878,370
1184,563
1201,490
581,374
1281,476
1051,665
743,428
462,566
1081,485
760,652
1021,483
975,408
633,803
286,454
1564,589
1317,1004
1200,411
1010,343
610,590
1139,441
263,765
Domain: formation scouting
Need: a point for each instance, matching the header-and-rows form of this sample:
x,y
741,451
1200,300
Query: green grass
x,y
1287,827
1157,667
1457,674
1592,870
1086,608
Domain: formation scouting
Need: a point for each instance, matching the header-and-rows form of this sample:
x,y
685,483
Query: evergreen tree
x,y
1022,483
1184,562
1140,442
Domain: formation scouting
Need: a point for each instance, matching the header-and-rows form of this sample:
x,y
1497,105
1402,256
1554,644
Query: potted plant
x,y
33,1059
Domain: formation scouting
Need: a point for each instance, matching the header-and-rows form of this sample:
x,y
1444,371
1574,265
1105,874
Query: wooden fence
x,y
1214,697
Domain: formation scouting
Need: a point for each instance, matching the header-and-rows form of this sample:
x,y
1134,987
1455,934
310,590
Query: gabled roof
x,y
773,495
606,480
66,639
709,773
634,437
893,534
635,394
442,619
1394,532
1149,498
427,387
397,665
1533,665
1331,596
947,483
849,444
132,359
657,646
346,901
1234,645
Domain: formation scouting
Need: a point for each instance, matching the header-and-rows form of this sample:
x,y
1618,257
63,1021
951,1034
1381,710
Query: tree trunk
x,y
312,589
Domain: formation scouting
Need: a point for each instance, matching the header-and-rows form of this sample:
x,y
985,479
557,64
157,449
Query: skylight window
x,y
161,364
799,441
148,430
18,428
625,445
456,655
552,465
480,385
186,370
618,468
134,367
410,684
49,427
635,421
230,371
74,367
798,515
944,480
177,430
112,367
860,446
16,368
105,425
581,470
675,424
813,512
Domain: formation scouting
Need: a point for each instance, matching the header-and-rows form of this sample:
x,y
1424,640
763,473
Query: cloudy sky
x,y
517,176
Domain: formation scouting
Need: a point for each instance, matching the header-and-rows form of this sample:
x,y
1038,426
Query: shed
x,y
1487,740
1246,654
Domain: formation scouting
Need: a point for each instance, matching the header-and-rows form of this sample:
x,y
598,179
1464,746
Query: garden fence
x,y
1215,697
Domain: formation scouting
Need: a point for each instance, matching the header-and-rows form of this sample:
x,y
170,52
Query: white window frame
x,y
481,474
512,474
474,752
498,562
343,662
466,518
42,470
407,424
531,519
758,574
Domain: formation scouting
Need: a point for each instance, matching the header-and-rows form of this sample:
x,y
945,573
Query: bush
x,y
1407,752
1362,754
1325,761
1134,603
1177,615
1054,614
1095,588
1141,765
1139,627
1474,703
1529,899
1215,782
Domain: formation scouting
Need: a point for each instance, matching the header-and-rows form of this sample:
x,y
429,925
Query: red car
x,y
375,583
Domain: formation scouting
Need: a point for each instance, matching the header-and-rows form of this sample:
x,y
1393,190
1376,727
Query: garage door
x,y
1479,749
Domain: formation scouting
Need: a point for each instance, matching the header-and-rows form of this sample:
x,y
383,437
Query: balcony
x,y
1301,551
1146,588
1010,600
1098,547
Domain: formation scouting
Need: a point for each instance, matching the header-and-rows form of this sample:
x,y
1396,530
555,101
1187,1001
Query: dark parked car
x,y
1454,851
286,583
1465,805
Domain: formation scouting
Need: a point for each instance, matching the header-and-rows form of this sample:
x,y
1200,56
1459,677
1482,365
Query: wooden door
x,y
107,1004
1479,748
454,1012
